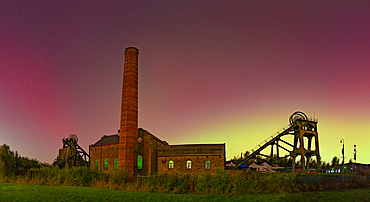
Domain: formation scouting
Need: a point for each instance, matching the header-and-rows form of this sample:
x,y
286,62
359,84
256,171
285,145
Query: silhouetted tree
x,y
312,163
11,162
335,161
323,163
245,155
286,162
238,159
7,159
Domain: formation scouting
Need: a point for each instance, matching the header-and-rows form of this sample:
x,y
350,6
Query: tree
x,y
7,159
350,161
286,162
11,162
335,161
238,159
324,164
312,163
246,154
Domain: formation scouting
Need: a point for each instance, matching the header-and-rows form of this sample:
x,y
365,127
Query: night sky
x,y
209,71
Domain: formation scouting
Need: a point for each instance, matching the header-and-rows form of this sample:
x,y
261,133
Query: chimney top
x,y
131,48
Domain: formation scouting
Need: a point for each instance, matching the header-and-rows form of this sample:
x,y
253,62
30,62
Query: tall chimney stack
x,y
129,113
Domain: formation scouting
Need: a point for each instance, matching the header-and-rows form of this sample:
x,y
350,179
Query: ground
x,y
22,192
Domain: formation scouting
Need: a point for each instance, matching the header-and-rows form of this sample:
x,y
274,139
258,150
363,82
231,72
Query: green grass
x,y
25,192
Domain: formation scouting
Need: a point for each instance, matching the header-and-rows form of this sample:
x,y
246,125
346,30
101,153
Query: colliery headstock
x,y
296,116
72,154
305,142
71,140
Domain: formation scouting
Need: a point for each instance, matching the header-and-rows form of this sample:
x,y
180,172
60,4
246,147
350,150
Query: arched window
x,y
188,164
115,163
139,162
171,164
97,164
106,164
207,165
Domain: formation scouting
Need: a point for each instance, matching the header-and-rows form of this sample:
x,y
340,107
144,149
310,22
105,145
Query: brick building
x,y
137,151
195,158
156,156
105,153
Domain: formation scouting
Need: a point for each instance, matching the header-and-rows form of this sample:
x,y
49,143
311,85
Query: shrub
x,y
203,184
219,182
240,184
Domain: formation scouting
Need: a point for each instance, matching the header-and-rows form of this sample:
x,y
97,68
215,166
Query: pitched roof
x,y
265,164
254,165
230,164
140,130
107,139
114,139
243,166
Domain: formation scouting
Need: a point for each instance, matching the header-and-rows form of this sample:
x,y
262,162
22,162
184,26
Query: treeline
x,y
11,163
284,162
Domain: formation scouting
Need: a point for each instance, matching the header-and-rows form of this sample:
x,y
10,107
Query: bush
x,y
219,182
240,184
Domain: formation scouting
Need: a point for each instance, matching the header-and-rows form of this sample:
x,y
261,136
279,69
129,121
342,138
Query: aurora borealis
x,y
209,71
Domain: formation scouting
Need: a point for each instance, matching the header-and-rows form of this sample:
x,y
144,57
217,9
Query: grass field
x,y
23,192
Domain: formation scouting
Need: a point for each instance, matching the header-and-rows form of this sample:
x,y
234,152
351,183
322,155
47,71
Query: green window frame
x,y
207,165
171,164
188,164
115,163
97,164
139,162
106,164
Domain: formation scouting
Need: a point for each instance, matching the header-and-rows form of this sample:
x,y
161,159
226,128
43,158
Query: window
x,y
139,162
106,164
207,165
188,164
171,164
115,163
97,164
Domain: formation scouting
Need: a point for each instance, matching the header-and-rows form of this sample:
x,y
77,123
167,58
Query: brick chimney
x,y
129,113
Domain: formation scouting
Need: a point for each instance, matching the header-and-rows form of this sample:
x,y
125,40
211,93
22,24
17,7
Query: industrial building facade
x,y
137,151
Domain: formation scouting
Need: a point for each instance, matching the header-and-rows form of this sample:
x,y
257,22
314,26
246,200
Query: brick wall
x,y
101,153
198,164
147,148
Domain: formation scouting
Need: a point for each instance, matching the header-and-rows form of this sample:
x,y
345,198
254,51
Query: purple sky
x,y
209,71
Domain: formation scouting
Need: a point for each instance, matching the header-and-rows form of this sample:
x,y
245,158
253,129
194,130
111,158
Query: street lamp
x,y
354,155
342,141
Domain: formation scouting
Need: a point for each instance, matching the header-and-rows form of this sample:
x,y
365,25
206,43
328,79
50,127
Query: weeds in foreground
x,y
220,182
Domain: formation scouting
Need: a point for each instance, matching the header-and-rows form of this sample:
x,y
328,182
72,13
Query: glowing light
x,y
139,162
